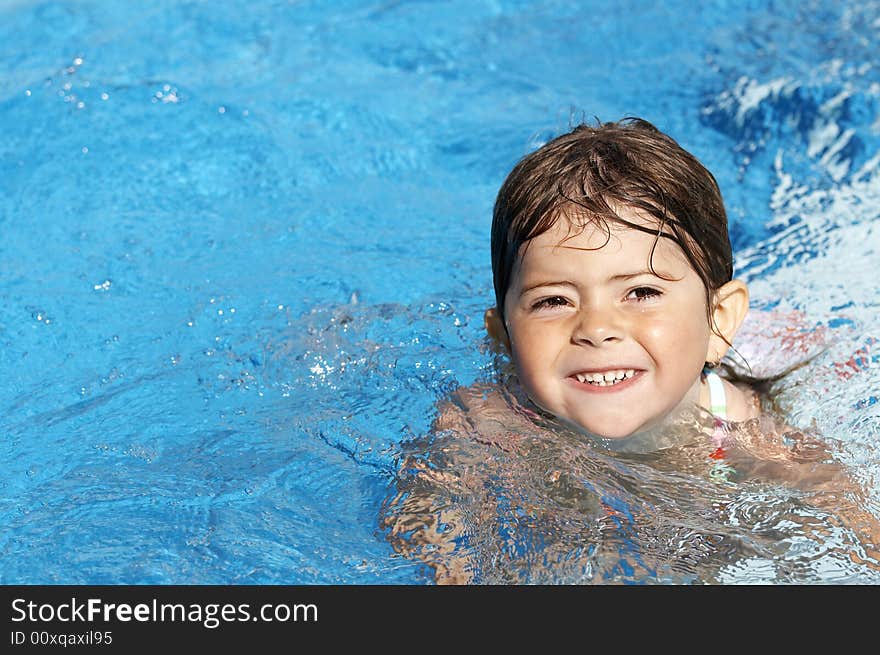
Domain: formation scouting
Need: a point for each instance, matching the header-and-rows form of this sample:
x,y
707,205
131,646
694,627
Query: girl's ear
x,y
731,306
495,328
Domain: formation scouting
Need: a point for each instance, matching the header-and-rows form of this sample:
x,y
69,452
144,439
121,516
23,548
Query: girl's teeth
x,y
605,379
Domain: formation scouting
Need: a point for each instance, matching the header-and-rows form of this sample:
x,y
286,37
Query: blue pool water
x,y
245,252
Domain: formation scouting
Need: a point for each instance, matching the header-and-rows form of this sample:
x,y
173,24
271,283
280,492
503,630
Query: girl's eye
x,y
643,293
549,303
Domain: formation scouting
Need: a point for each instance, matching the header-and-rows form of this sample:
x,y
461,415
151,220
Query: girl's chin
x,y
619,428
642,438
600,431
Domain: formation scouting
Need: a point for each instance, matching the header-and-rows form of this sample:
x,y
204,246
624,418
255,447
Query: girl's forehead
x,y
596,234
569,238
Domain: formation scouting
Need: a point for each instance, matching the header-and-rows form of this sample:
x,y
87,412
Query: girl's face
x,y
600,341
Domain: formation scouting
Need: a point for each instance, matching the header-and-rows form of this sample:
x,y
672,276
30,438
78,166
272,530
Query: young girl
x,y
617,307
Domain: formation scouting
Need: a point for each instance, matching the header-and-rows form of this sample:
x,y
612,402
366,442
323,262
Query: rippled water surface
x,y
245,254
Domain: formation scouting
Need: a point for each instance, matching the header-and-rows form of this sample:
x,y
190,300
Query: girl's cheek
x,y
674,329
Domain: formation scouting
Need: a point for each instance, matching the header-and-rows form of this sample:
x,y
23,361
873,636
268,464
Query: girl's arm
x,y
442,497
426,519
784,454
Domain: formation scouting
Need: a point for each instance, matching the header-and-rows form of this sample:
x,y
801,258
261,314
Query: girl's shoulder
x,y
743,401
485,414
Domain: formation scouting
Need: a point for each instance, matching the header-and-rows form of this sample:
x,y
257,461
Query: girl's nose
x,y
597,325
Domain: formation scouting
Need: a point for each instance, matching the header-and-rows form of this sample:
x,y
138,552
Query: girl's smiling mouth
x,y
607,380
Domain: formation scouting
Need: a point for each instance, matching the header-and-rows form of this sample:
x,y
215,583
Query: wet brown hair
x,y
584,173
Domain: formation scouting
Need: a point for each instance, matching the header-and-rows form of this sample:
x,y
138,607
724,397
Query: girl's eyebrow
x,y
613,278
627,276
549,283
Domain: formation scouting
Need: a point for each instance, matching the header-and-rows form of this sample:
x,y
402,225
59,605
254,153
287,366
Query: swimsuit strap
x,y
721,470
717,397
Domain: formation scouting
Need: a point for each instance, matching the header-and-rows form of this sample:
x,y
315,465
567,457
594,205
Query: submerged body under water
x,y
493,496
